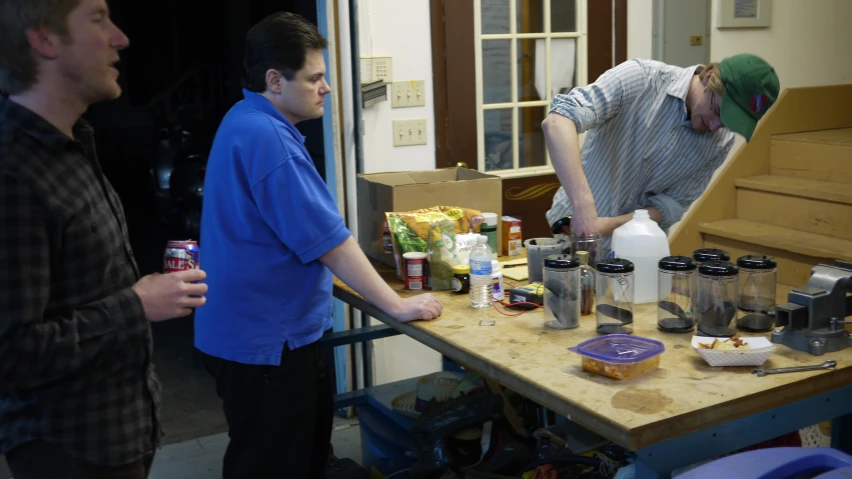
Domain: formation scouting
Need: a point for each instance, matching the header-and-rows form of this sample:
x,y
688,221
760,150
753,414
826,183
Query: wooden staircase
x,y
788,193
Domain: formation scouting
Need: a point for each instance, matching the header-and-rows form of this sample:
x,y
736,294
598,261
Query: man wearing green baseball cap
x,y
655,133
750,88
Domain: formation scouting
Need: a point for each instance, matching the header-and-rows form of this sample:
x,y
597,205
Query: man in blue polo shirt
x,y
272,237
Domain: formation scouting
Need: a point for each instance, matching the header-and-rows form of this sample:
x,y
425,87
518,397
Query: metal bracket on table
x,y
659,460
364,336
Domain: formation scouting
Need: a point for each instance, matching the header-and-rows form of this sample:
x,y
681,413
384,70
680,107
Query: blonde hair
x,y
714,84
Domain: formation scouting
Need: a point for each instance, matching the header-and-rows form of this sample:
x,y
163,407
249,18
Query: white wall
x,y
401,30
808,42
639,23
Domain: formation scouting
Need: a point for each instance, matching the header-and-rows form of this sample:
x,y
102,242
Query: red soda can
x,y
181,256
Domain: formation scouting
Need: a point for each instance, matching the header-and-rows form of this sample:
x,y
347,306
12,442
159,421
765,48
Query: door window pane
x,y
530,69
495,16
498,139
496,71
529,16
531,147
563,16
563,65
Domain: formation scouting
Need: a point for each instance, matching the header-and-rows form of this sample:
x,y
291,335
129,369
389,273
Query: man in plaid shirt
x,y
78,393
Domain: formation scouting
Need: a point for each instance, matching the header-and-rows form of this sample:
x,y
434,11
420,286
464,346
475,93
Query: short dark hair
x,y
18,68
280,42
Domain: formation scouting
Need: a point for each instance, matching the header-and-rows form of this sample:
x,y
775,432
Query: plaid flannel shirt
x,y
75,346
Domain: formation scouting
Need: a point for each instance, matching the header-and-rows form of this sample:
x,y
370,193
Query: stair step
x,y
800,213
793,268
795,251
786,239
801,187
824,155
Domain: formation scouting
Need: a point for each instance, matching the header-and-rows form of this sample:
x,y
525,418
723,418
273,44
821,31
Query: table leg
x,y
644,471
841,433
720,440
368,357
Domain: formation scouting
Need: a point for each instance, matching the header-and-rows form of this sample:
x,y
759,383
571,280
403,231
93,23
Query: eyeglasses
x,y
716,107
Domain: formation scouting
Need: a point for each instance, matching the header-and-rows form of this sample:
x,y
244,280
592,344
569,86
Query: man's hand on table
x,y
423,306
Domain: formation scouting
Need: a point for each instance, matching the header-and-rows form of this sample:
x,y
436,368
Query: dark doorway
x,y
180,73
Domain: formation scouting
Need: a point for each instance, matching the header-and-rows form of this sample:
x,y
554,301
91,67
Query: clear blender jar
x,y
614,296
676,280
591,243
717,298
756,306
561,291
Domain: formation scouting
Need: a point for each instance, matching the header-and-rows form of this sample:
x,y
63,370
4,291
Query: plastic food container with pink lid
x,y
620,356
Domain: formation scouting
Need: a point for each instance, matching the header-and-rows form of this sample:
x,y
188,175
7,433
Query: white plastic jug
x,y
644,243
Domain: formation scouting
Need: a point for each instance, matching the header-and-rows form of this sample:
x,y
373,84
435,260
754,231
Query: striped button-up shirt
x,y
640,149
75,346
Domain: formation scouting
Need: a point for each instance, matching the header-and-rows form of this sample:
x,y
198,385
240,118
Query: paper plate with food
x,y
733,351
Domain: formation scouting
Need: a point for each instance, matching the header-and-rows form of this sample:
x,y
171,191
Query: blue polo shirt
x,y
266,219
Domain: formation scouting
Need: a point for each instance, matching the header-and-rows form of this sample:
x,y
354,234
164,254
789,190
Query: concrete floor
x,y
190,407
202,458
191,412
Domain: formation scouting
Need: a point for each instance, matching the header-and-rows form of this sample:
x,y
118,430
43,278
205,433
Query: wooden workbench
x,y
684,395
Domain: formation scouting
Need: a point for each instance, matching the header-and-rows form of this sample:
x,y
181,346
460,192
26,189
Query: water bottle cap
x,y
482,239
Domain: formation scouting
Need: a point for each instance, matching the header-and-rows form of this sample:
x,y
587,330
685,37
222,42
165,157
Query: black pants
x,y
279,417
43,460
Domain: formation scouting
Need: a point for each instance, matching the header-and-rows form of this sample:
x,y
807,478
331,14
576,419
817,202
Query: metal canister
x,y
416,270
181,256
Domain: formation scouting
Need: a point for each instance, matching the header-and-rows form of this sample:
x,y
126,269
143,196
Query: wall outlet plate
x,y
409,132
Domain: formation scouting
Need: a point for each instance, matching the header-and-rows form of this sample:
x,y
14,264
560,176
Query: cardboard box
x,y
379,193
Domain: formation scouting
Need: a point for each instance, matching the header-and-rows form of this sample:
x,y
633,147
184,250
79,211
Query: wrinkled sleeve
x,y
674,203
295,202
594,104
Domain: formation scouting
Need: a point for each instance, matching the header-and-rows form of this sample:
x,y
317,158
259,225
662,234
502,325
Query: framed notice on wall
x,y
744,14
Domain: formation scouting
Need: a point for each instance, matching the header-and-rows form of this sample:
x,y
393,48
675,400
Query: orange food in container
x,y
620,356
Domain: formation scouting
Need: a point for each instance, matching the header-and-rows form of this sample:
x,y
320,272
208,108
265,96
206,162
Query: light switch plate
x,y
408,93
409,132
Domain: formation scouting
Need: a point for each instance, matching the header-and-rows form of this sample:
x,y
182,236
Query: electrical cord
x,y
397,473
494,303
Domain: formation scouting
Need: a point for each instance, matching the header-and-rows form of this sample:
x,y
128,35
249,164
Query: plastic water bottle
x,y
480,274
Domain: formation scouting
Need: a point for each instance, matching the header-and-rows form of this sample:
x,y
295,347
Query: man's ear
x,y
43,42
274,81
706,78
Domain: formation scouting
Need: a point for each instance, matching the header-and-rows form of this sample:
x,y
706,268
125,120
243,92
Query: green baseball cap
x,y
751,87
